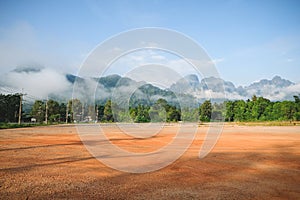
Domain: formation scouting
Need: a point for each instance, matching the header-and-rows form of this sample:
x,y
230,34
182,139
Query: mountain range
x,y
190,88
275,89
42,82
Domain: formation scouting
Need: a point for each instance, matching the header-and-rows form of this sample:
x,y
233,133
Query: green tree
x,y
239,110
229,116
162,102
53,111
205,111
248,111
62,112
173,114
75,110
107,113
9,107
101,113
276,111
157,113
38,111
297,106
288,110
190,115
142,114
260,104
267,115
133,112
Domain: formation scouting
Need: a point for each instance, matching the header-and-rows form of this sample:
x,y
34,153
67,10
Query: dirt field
x,y
247,163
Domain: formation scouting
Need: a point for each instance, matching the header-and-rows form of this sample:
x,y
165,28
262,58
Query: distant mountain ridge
x,y
141,92
275,89
190,85
41,83
277,81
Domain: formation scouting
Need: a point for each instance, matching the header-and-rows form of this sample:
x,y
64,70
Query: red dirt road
x,y
247,163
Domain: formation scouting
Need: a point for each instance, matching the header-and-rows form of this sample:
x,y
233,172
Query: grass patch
x,y
15,125
267,123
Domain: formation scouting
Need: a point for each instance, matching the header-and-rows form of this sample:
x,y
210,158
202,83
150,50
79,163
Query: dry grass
x,y
268,123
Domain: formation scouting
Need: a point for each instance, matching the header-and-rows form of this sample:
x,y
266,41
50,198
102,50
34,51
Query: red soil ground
x,y
247,163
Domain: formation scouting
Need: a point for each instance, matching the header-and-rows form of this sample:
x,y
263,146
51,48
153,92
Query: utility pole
x,y
82,111
20,107
46,113
97,114
67,111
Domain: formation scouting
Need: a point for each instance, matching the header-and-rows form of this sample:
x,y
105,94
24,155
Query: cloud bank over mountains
x,y
36,81
39,82
276,89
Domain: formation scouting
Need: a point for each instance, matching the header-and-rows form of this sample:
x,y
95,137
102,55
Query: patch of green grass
x,y
15,125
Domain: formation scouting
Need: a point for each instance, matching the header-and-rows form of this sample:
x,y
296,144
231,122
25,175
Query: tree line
x,y
262,109
51,111
9,107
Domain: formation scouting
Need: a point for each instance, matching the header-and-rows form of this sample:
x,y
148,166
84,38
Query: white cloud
x,y
21,45
139,59
38,84
183,67
157,75
217,60
276,94
158,57
18,46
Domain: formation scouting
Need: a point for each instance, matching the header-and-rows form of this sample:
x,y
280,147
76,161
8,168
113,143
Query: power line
x,y
10,90
7,91
16,91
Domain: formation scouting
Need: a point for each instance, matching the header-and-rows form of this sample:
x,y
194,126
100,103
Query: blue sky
x,y
249,40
